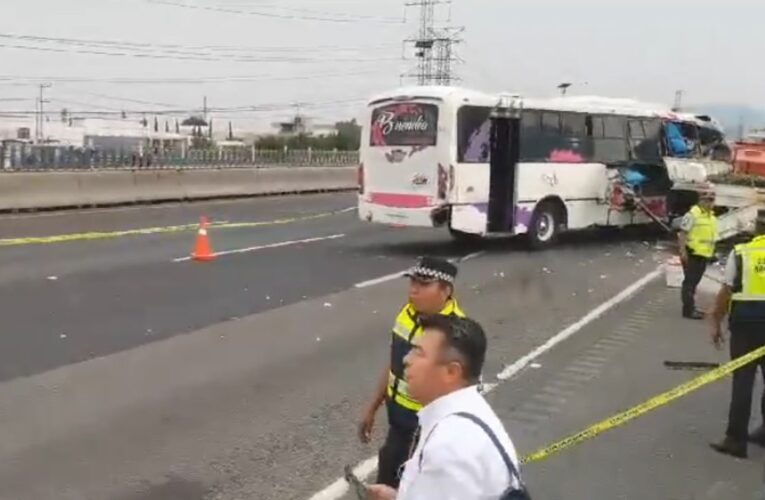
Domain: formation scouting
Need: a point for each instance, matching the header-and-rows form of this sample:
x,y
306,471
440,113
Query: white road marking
x,y
265,247
471,256
381,279
399,274
339,488
596,313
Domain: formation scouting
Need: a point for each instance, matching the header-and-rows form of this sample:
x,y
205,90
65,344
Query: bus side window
x,y
646,140
531,136
598,127
612,146
578,145
473,134
551,123
551,142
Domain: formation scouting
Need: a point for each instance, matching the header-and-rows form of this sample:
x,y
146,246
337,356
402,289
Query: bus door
x,y
484,178
505,145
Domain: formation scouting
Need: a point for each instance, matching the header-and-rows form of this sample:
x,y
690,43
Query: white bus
x,y
425,161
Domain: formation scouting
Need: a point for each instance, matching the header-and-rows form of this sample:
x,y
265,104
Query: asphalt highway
x,y
127,374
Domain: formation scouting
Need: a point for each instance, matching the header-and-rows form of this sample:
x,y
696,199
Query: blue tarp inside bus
x,y
677,144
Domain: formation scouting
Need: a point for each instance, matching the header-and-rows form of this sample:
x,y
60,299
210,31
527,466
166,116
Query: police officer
x,y
431,291
698,233
743,298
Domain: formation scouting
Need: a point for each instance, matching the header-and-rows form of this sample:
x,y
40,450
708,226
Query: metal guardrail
x,y
27,158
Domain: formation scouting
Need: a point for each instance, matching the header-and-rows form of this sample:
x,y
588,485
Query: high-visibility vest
x,y
703,234
748,300
406,329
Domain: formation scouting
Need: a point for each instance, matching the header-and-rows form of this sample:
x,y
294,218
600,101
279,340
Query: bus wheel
x,y
545,225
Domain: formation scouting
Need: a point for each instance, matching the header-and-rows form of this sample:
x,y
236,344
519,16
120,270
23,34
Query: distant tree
x,y
347,138
348,135
194,121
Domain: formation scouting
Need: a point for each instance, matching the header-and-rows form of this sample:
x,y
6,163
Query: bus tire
x,y
546,225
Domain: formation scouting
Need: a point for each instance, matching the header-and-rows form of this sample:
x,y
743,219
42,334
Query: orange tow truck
x,y
749,155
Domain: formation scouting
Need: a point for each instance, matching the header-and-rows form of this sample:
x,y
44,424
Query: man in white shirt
x,y
462,451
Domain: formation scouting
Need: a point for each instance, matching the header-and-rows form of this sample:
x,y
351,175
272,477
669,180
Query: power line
x,y
258,108
322,17
130,100
189,56
301,10
16,80
185,49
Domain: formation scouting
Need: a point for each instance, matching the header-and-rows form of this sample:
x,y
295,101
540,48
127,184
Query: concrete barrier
x,y
23,191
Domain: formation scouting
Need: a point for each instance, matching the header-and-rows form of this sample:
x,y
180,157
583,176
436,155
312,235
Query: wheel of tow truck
x,y
545,226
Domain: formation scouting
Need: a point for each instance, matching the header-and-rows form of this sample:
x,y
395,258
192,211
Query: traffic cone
x,y
203,251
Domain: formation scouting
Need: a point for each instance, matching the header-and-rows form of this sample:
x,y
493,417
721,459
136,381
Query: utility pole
x,y
434,47
204,108
40,133
678,105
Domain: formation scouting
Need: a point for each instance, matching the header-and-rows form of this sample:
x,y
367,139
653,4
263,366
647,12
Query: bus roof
x,y
598,105
574,104
440,92
704,121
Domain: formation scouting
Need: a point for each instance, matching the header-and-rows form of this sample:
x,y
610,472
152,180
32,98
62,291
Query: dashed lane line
x,y
267,246
392,276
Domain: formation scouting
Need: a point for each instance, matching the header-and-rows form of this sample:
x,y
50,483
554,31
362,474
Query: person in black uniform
x,y
431,291
743,298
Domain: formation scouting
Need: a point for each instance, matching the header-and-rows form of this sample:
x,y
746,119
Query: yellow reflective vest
x,y
748,300
703,234
406,329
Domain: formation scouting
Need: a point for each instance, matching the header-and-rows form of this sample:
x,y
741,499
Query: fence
x,y
30,158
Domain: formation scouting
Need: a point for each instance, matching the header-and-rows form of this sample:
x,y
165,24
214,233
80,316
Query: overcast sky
x,y
645,49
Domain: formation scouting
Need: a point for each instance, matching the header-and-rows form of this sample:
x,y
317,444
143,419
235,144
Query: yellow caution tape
x,y
643,408
103,235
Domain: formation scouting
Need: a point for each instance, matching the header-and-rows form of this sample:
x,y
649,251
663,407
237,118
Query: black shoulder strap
x,y
508,462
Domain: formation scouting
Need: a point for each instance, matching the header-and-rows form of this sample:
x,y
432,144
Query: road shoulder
x,y
616,363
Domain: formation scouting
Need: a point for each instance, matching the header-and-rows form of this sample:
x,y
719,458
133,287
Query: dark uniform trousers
x,y
393,455
398,445
745,337
694,271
